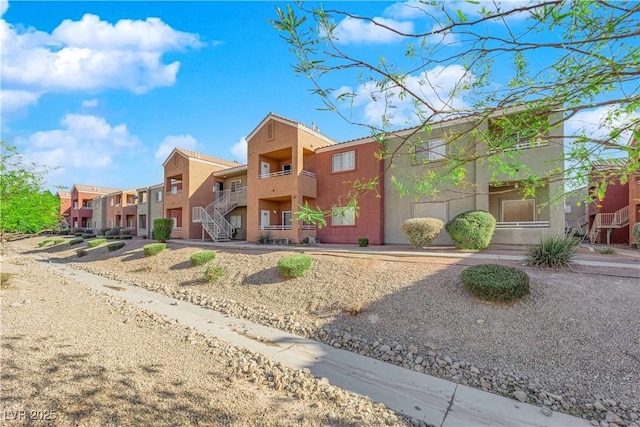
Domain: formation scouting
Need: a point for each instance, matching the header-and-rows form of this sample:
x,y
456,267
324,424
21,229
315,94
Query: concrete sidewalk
x,y
433,400
631,263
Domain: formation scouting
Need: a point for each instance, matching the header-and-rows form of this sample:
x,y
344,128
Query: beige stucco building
x,y
520,219
149,208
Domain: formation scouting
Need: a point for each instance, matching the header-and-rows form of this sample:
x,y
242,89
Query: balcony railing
x,y
174,191
283,173
286,227
522,224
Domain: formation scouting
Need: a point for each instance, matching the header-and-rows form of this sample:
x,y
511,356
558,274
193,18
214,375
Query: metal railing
x,y
522,224
283,173
609,221
286,227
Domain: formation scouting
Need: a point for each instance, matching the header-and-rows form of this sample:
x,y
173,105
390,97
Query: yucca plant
x,y
553,252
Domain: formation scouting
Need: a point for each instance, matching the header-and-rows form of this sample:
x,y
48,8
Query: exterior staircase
x,y
608,222
212,217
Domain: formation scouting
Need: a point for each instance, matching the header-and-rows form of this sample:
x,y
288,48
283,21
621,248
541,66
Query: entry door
x,y
265,218
286,219
265,168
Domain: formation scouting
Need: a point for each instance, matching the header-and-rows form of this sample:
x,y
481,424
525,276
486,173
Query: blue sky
x,y
103,91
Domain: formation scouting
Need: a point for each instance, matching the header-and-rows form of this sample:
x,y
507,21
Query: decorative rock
x,y
474,370
613,418
480,321
599,406
520,395
15,304
384,349
548,412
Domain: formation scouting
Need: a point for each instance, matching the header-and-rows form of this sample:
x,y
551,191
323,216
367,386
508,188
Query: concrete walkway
x,y
633,261
433,400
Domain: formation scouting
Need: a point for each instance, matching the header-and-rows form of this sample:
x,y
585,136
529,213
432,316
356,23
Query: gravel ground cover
x,y
572,345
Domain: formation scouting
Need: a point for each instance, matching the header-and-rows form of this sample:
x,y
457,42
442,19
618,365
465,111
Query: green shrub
x,y
115,231
495,282
127,232
421,231
162,229
44,242
103,231
213,273
154,248
78,234
124,237
553,252
76,241
607,251
58,241
109,237
88,236
115,246
81,252
294,265
363,242
202,257
472,230
635,232
266,238
96,242
76,230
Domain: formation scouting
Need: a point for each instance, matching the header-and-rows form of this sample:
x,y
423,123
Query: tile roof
x,y
273,115
94,189
64,194
207,158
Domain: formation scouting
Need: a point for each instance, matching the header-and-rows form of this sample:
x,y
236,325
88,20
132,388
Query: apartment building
x,y
148,208
81,213
121,210
521,219
65,206
189,183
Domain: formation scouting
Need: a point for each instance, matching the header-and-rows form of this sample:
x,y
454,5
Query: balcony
x,y
280,227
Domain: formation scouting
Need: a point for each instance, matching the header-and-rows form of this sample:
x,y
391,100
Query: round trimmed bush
x,y
421,231
96,242
162,228
294,265
495,282
81,252
154,248
202,257
76,241
472,230
115,246
635,232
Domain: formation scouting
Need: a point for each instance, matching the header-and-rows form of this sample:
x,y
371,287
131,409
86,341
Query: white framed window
x,y
111,201
75,205
111,223
518,210
286,219
235,221
568,209
159,196
343,215
343,161
286,168
431,150
236,186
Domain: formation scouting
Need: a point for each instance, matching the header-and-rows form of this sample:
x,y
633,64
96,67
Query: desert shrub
x,y
58,241
421,231
115,231
78,234
607,251
124,237
266,238
44,242
635,232
294,265
162,229
495,282
75,230
213,273
127,232
81,252
115,246
76,241
472,230
154,248
553,252
88,235
103,231
363,242
202,257
96,242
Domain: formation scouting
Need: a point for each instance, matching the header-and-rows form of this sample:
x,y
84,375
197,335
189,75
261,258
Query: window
x,y
286,168
159,196
270,131
568,209
75,205
343,216
236,186
431,150
343,161
96,204
235,221
111,202
111,223
518,210
142,221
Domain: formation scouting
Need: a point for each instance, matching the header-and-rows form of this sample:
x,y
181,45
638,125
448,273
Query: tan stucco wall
x,y
541,160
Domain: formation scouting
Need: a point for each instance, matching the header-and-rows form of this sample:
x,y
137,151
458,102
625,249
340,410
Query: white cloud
x,y
4,5
82,146
352,30
239,150
596,125
434,87
90,103
16,100
90,54
408,10
172,141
